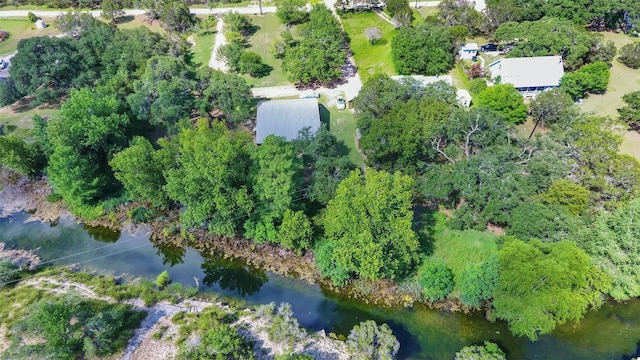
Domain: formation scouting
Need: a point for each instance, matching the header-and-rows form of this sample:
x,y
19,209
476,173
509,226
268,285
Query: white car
x,y
3,64
340,103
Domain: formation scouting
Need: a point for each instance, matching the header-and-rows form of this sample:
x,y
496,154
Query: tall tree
x,y
165,92
140,168
423,50
506,101
275,177
544,285
368,225
210,179
228,93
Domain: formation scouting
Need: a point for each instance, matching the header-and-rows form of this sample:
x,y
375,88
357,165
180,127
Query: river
x,y
613,332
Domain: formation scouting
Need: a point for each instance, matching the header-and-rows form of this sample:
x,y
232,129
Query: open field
x,y
369,58
21,29
260,43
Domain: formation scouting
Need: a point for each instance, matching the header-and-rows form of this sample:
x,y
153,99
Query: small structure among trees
x,y
287,118
530,75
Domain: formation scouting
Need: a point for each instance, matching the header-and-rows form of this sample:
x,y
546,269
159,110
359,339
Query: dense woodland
x,y
142,125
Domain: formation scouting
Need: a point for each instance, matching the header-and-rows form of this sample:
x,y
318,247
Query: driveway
x,y
4,73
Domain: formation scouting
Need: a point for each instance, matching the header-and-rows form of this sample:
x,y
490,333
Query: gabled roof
x,y
539,71
286,118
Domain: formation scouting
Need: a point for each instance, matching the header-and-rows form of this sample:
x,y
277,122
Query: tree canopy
x,y
422,50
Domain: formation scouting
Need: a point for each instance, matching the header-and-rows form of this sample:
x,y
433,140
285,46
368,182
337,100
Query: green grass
x,y
369,58
622,80
260,43
134,22
342,124
22,120
18,30
428,11
202,48
460,248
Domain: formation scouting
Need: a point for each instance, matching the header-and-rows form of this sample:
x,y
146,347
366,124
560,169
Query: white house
x,y
530,75
469,51
287,118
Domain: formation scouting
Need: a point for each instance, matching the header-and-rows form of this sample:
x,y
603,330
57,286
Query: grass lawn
x,y
21,119
203,47
461,248
622,80
342,124
133,22
428,11
369,58
18,30
260,43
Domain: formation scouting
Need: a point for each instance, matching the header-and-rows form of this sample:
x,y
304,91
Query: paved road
x,y
249,10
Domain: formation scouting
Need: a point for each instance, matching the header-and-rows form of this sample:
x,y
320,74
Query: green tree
x,y
614,248
506,101
231,53
369,222
291,12
489,351
251,63
284,327
630,55
223,343
542,285
423,50
630,113
477,282
435,279
566,193
275,176
164,94
295,232
228,93
320,56
550,107
210,178
48,67
592,78
476,86
367,340
140,168
552,222
111,9
20,156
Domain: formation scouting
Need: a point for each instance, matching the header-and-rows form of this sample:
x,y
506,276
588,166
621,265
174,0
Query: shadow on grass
x,y
123,19
28,103
325,116
424,222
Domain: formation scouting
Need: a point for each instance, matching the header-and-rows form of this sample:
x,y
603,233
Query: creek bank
x,y
22,194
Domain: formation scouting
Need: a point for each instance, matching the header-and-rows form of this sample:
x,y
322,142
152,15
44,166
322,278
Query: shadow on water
x,y
170,253
234,275
102,234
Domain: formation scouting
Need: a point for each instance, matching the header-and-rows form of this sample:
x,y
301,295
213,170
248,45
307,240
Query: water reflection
x,y
233,275
172,254
101,233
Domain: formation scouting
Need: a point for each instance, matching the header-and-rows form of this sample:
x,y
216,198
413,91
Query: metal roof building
x,y
286,118
530,75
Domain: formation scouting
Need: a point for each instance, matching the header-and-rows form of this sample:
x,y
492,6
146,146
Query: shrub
x,y
163,279
8,272
592,78
234,21
506,101
489,351
370,341
477,282
284,327
54,197
630,55
3,35
292,12
373,34
476,86
231,53
32,17
141,214
251,63
435,279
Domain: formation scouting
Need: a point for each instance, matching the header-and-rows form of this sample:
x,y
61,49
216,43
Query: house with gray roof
x,y
286,118
530,75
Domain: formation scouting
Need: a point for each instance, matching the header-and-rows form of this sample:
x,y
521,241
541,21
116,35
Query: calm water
x,y
613,332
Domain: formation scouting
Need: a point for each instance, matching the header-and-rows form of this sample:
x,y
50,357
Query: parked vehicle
x,y
489,47
340,103
3,64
